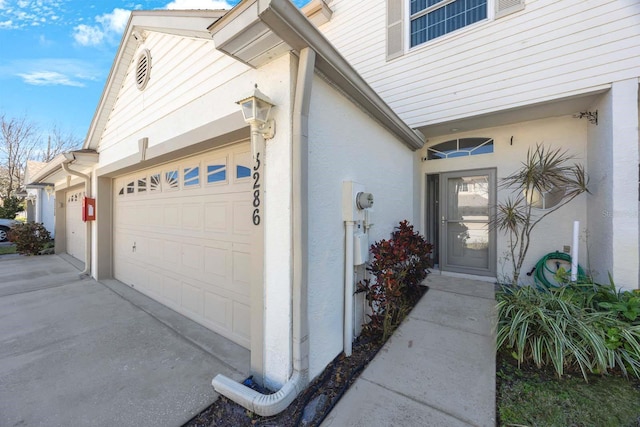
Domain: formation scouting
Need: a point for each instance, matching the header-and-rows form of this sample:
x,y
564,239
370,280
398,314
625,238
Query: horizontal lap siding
x,y
550,50
182,70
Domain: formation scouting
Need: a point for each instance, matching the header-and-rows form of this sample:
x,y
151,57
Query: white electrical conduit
x,y
271,404
574,251
87,193
348,288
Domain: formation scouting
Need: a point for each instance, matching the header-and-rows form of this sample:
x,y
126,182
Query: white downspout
x,y
87,193
348,288
271,404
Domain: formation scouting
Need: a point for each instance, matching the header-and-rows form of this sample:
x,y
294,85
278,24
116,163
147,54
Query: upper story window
x,y
414,22
434,18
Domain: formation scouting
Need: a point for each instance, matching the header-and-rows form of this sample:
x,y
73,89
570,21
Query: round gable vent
x,y
143,69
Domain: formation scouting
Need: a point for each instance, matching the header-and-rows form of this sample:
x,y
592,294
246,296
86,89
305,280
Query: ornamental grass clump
x,y
398,266
560,327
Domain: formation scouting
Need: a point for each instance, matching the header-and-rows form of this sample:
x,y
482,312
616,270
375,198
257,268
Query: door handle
x,y
444,220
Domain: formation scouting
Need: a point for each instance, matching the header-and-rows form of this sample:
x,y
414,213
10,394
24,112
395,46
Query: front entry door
x,y
467,243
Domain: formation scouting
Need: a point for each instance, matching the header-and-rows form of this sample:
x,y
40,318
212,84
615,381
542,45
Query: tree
x,y
21,140
18,139
545,171
57,142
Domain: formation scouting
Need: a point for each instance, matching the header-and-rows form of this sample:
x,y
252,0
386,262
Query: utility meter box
x,y
350,210
360,248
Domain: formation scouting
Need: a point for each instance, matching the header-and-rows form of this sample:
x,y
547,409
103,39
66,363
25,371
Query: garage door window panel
x,y
142,185
191,177
154,182
171,181
216,173
242,172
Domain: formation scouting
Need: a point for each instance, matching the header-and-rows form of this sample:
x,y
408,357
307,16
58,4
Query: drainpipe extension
x,y
87,191
271,404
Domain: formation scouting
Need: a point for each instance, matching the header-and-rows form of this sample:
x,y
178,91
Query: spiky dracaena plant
x,y
543,171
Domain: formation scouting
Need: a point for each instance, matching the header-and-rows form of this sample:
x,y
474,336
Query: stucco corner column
x,y
626,158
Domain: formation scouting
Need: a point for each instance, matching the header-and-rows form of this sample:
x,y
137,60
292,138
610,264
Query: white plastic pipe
x,y
348,288
272,404
87,193
574,251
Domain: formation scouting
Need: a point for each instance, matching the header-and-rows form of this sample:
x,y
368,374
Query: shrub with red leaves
x,y
398,266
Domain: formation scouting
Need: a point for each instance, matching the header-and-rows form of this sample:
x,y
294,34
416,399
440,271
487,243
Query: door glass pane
x,y
468,244
467,218
468,197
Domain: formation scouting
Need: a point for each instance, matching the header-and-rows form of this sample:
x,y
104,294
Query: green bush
x,y
10,208
561,327
30,237
398,265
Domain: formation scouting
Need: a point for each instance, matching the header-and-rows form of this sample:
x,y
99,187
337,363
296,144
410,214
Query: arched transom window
x,y
461,147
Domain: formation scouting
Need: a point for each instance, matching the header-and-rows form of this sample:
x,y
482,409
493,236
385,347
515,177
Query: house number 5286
x,y
256,191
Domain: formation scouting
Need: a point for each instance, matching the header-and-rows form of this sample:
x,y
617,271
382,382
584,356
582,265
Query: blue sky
x,y
55,55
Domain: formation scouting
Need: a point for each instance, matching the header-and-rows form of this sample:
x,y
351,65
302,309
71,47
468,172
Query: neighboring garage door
x,y
75,227
182,236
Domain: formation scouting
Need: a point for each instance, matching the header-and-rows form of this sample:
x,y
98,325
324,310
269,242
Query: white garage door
x,y
75,227
182,236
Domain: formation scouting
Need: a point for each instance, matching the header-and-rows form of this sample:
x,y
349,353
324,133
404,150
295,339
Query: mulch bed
x,y
320,396
311,407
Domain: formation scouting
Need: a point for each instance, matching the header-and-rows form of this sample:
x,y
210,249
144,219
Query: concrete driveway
x,y
81,353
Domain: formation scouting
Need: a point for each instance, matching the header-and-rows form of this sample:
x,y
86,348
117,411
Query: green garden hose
x,y
543,271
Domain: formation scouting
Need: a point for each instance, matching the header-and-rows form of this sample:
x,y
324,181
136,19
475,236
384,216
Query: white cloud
x,y
108,28
198,4
6,24
44,41
86,35
115,21
25,13
50,72
49,78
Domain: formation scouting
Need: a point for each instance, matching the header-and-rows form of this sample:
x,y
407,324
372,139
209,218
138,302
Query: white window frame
x,y
409,17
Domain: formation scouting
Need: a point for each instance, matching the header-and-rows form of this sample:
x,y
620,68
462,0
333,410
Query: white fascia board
x,y
49,169
187,23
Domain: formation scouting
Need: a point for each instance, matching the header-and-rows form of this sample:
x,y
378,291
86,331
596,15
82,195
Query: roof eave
x,y
186,23
257,31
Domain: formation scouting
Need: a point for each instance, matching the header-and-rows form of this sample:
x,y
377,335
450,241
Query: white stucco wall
x,y
47,211
613,205
600,201
273,79
346,145
554,231
625,153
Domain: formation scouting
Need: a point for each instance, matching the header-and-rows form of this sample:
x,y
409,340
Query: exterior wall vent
x,y
506,7
143,69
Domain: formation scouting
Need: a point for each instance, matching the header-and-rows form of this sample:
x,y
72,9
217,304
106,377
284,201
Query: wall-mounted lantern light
x,y
256,108
50,190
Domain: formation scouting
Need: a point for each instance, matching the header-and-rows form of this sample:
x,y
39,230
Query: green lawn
x,y
4,250
534,398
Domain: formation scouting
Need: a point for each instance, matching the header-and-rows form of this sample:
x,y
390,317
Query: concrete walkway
x,y
81,353
438,369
